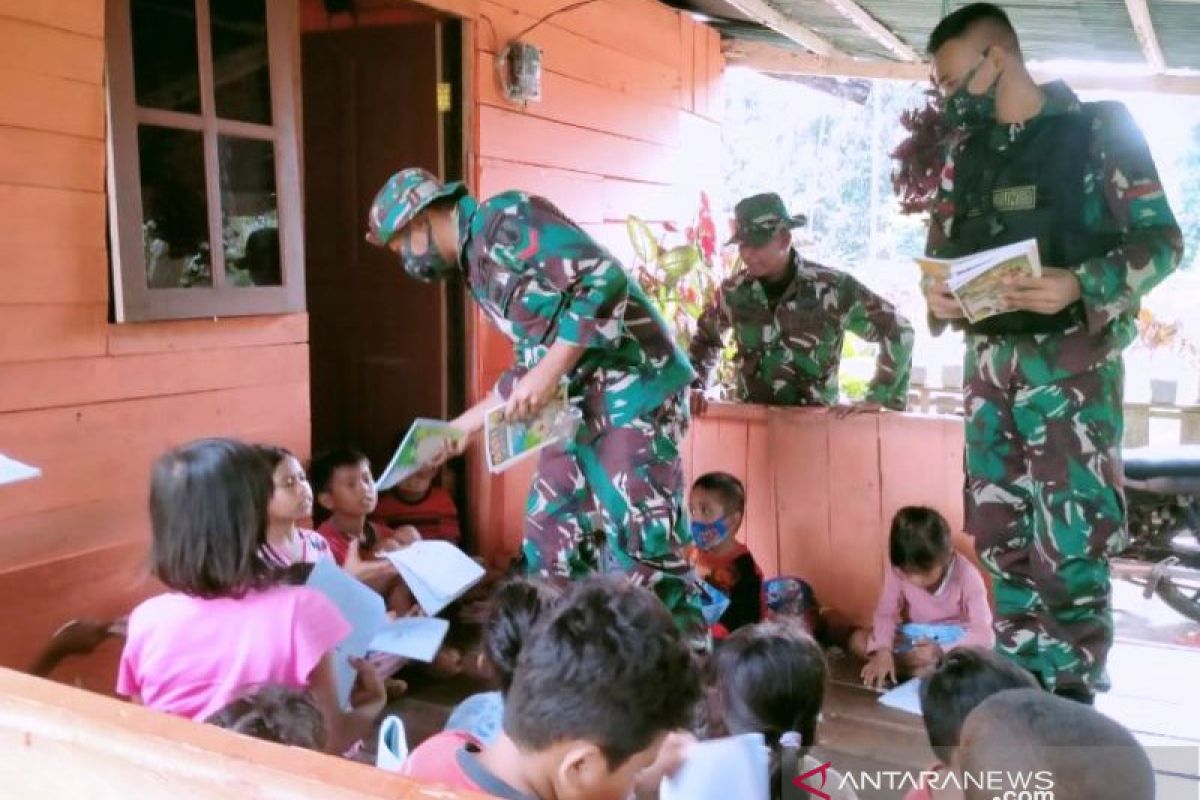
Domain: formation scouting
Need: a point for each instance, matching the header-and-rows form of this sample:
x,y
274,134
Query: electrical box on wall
x,y
520,66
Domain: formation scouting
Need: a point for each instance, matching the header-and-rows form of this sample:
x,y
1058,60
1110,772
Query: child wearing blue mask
x,y
717,504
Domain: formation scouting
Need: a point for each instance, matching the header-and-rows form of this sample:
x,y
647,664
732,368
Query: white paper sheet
x,y
722,769
12,470
413,637
361,606
905,697
438,573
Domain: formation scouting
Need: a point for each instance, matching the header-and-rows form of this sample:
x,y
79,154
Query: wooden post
x,y
1137,424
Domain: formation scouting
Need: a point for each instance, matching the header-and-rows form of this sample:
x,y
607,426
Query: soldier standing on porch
x,y
1044,381
611,500
789,317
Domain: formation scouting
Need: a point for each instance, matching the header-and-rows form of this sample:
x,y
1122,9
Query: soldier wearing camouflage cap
x,y
1043,381
611,500
789,316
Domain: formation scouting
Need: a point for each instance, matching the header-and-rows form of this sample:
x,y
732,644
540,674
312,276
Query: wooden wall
x,y
89,402
821,491
627,124
58,742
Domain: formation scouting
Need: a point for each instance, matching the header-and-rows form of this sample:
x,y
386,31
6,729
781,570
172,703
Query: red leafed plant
x,y
920,156
681,278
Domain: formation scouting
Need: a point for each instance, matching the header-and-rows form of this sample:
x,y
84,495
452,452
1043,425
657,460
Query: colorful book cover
x,y
509,442
421,446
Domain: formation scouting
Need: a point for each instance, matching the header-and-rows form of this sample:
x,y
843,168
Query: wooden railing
x,y
57,741
821,491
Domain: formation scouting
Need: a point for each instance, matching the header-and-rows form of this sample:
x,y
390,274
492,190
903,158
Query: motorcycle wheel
x,y
1184,598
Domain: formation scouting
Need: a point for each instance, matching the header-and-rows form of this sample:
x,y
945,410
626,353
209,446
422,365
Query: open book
x,y
509,442
437,573
422,444
977,280
370,627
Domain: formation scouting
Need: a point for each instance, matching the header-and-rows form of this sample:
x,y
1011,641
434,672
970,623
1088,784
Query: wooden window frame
x,y
133,299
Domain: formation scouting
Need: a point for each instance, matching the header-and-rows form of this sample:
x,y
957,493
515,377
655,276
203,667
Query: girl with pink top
x,y
232,621
291,503
933,600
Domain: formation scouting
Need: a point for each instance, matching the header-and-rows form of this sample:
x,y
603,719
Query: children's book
x,y
421,445
977,280
509,442
945,636
905,697
437,573
370,626
713,603
12,470
721,769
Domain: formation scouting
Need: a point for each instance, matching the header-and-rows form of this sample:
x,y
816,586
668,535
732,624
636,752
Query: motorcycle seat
x,y
1179,461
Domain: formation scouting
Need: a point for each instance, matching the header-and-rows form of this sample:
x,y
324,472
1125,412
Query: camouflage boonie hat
x,y
402,198
760,217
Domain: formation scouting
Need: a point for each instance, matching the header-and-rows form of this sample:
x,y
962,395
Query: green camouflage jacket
x,y
1122,193
540,278
790,355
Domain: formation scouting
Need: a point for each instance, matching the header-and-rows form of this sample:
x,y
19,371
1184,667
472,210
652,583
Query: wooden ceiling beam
x,y
760,12
865,22
772,59
1143,27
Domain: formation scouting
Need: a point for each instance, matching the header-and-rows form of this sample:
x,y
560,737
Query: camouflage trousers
x,y
612,501
1045,505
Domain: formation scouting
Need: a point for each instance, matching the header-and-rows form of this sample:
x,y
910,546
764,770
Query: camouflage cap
x,y
760,217
403,197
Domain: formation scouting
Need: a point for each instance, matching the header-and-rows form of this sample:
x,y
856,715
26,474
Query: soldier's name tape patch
x,y
1015,198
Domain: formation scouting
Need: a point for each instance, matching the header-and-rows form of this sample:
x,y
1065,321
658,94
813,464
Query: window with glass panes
x,y
204,182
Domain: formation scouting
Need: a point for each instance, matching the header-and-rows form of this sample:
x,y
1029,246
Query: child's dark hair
x,y
964,678
609,633
208,510
320,471
515,608
275,455
920,539
771,680
959,23
728,488
1030,731
276,714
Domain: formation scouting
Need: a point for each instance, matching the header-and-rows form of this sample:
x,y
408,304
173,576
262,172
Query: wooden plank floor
x,y
1153,695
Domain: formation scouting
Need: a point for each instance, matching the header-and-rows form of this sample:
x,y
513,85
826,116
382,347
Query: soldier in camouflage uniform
x,y
611,500
1044,380
789,317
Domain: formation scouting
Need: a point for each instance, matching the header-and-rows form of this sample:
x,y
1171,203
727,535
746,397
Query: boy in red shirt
x,y
415,502
717,504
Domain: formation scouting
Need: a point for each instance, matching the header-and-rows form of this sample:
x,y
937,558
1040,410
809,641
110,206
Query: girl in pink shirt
x,y
291,503
232,622
933,600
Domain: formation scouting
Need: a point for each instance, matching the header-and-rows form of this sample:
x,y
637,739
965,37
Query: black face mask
x,y
965,110
428,265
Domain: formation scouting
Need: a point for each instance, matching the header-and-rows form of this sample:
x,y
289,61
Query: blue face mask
x,y
707,535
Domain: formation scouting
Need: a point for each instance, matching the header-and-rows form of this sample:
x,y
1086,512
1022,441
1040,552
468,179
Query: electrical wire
x,y
555,13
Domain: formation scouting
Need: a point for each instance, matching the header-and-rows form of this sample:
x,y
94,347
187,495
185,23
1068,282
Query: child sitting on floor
x,y
770,679
344,487
1062,748
229,622
717,504
291,503
515,608
600,682
417,502
964,679
933,600
275,714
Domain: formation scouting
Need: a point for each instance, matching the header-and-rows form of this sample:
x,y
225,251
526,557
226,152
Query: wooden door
x,y
379,338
